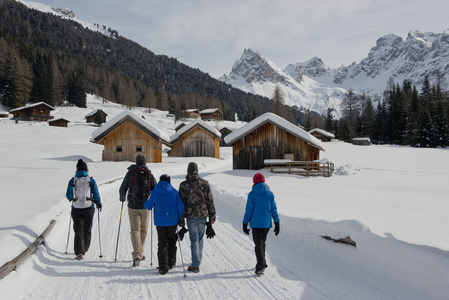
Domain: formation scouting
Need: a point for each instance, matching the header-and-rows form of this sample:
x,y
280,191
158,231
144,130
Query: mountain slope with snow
x,y
313,85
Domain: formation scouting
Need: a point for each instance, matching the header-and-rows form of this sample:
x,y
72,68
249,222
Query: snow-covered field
x,y
393,201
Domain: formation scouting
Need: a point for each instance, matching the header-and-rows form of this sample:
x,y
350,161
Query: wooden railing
x,y
306,168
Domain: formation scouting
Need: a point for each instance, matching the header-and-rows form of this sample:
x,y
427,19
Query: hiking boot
x,y
136,262
171,267
143,257
79,256
163,271
193,269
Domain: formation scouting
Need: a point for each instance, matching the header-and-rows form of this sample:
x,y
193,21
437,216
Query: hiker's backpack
x,y
82,195
140,185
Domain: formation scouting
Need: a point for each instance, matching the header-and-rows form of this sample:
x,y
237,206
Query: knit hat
x,y
141,160
258,178
165,177
192,167
81,165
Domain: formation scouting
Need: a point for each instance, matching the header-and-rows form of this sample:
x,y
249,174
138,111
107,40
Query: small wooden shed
x,y
211,114
127,135
34,112
322,134
192,113
361,141
59,122
197,138
224,132
96,114
271,137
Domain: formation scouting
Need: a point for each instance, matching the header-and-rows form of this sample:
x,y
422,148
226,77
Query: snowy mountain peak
x,y
313,85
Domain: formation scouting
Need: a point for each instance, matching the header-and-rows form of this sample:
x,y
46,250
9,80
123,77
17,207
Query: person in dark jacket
x,y
199,204
139,216
260,209
82,191
168,209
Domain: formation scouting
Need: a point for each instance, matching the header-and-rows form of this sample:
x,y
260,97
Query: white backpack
x,y
82,196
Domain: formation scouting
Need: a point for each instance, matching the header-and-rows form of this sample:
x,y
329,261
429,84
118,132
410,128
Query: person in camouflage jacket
x,y
199,205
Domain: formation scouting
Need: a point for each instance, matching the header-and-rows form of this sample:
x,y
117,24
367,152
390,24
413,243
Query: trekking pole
x,y
68,234
151,244
99,237
119,224
180,250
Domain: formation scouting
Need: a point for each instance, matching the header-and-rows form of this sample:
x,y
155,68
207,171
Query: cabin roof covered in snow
x,y
133,118
192,124
32,105
323,132
275,120
94,112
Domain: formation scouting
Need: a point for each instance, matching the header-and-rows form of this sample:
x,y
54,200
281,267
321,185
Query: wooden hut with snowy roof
x,y
59,122
271,137
211,114
33,112
96,116
322,134
127,135
196,138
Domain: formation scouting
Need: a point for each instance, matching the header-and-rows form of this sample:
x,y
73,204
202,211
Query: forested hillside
x,y
46,58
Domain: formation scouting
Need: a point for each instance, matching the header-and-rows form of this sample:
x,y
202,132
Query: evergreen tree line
x,y
405,116
49,59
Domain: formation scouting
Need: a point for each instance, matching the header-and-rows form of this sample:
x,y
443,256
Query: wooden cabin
x,y
211,114
196,139
59,122
127,135
224,132
322,135
271,137
34,112
361,141
191,113
96,114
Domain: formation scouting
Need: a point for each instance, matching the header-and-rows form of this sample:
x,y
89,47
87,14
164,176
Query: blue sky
x,y
211,35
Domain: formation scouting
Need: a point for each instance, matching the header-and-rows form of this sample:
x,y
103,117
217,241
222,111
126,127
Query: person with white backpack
x,y
82,191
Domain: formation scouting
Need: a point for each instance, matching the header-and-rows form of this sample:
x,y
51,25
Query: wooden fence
x,y
306,168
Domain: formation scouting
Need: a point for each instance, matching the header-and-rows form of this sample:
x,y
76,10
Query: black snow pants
x,y
82,226
259,238
166,247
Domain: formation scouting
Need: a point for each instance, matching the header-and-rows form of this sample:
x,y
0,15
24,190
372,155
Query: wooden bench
x,y
306,168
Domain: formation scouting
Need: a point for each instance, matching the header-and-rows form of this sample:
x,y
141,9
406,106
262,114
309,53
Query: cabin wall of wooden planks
x,y
196,142
270,142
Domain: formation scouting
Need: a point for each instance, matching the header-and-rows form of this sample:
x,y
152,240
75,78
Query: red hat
x,y
258,178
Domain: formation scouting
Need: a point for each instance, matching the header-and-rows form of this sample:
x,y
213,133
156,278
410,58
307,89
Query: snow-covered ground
x,y
391,200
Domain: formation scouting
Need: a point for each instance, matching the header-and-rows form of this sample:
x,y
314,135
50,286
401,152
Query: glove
x,y
277,228
99,205
245,228
181,233
182,223
122,199
210,232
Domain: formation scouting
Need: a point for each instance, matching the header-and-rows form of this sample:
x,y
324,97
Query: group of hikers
x,y
191,205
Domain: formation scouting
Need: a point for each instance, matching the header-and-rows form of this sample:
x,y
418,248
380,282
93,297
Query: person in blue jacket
x,y
82,191
168,210
260,208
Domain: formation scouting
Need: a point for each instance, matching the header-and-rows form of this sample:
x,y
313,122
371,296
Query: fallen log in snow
x,y
16,262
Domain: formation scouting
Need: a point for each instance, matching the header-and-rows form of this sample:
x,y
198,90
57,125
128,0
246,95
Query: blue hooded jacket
x,y
260,207
168,206
93,188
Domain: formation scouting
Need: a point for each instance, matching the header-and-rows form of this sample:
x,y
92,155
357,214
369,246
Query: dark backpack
x,y
140,185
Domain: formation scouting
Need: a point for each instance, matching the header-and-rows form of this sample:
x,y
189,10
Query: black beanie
x,y
81,165
193,167
141,160
165,177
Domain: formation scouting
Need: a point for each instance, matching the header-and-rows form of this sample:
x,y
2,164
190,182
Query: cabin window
x,y
119,148
138,148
